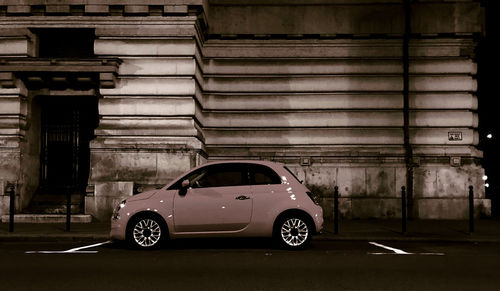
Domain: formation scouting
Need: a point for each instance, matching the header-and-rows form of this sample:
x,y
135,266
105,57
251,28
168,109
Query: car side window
x,y
222,176
262,175
219,175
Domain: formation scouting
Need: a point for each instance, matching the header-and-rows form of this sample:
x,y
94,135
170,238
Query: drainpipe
x,y
406,107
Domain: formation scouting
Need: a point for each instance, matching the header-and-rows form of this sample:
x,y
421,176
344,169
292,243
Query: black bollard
x,y
336,210
68,210
471,209
403,209
12,207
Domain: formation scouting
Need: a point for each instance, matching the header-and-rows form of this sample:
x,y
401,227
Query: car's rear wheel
x,y
293,232
146,232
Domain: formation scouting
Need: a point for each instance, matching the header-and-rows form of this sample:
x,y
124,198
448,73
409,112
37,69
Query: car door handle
x,y
242,197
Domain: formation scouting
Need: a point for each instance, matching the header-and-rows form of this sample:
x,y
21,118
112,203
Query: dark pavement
x,y
365,255
252,265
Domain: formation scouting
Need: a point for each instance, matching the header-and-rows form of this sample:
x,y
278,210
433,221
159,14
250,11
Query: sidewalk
x,y
55,232
485,230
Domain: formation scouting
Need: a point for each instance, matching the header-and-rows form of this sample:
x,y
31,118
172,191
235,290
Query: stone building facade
x,y
107,98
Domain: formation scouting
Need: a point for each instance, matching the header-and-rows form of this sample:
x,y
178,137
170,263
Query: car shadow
x,y
208,244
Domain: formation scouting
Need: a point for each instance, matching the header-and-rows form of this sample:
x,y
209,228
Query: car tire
x,y
146,232
293,232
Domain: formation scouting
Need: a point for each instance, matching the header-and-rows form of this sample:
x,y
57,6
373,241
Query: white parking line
x,y
397,251
72,251
400,252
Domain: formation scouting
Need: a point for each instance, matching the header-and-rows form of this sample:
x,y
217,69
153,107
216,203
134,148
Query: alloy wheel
x,y
294,232
147,232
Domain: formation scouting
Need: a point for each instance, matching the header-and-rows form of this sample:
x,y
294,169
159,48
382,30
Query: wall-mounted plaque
x,y
454,135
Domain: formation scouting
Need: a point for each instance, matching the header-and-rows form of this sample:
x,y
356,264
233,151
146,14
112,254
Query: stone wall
x,y
327,100
314,84
148,132
15,125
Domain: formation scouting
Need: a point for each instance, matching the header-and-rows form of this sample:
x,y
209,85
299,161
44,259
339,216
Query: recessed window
x,y
65,42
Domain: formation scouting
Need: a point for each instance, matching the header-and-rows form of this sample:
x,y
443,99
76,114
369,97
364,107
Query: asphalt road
x,y
251,265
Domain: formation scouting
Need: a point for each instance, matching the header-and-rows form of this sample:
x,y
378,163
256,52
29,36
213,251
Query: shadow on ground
x,y
207,244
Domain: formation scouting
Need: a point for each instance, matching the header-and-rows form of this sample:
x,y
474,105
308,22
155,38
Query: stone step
x,y
48,218
52,209
55,198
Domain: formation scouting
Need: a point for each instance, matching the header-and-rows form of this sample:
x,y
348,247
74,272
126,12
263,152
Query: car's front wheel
x,y
293,232
146,232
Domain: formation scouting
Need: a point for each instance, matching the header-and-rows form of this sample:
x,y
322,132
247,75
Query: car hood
x,y
143,195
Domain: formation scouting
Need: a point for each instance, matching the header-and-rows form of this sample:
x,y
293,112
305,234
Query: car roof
x,y
257,162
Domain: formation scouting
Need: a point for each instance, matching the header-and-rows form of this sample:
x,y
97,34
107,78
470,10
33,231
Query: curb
x,y
408,239
53,238
332,238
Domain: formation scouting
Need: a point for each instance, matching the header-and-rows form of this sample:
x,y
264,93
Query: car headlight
x,y
116,214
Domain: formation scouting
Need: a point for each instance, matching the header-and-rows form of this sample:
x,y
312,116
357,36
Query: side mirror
x,y
184,187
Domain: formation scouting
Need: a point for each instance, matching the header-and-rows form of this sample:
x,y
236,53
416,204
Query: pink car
x,y
222,199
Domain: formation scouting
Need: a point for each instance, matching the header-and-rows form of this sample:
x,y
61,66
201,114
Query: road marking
x,y
60,252
400,252
72,251
397,251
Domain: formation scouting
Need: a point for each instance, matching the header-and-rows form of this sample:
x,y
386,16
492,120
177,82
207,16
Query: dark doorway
x,y
67,127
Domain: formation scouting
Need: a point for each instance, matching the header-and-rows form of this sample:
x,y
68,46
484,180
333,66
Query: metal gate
x,y
67,128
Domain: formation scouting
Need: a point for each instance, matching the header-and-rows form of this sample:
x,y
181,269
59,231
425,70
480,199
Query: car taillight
x,y
313,197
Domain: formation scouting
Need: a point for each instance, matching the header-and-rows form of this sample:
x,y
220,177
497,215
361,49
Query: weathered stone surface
x,y
381,182
303,136
321,180
96,8
376,208
171,166
139,167
444,118
157,66
339,84
14,47
4,204
140,106
107,195
340,18
337,48
265,101
122,166
107,189
47,218
336,66
306,83
168,27
439,136
451,208
302,101
336,118
345,208
177,86
145,47
10,165
303,84
352,181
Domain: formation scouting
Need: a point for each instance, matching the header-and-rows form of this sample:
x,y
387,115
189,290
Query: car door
x,y
267,188
218,199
